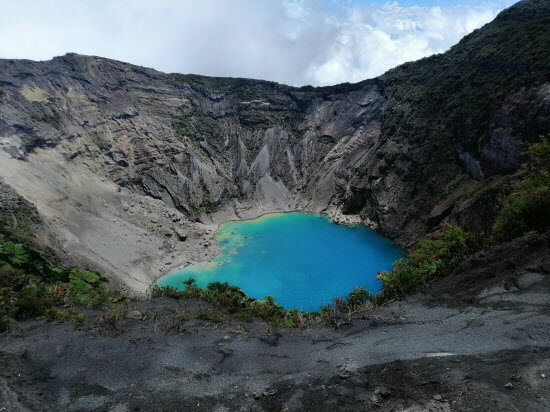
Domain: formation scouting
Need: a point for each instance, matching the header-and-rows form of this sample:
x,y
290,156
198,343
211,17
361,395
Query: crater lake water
x,y
303,260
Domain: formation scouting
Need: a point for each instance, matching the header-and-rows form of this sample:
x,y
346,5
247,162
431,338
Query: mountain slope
x,y
119,158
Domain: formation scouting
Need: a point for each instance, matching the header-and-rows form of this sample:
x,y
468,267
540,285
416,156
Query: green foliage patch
x,y
234,301
52,119
17,219
432,259
195,125
453,184
452,97
55,315
31,285
527,207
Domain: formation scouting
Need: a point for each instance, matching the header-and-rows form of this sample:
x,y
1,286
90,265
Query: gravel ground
x,y
477,340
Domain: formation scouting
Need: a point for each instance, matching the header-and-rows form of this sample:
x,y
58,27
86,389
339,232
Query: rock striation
x,y
103,148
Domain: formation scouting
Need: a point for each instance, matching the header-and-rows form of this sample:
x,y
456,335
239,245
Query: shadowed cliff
x,y
430,141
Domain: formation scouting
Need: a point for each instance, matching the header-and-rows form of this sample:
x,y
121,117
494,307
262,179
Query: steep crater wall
x,y
85,138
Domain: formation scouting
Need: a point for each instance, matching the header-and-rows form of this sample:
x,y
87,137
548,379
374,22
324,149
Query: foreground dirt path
x,y
478,340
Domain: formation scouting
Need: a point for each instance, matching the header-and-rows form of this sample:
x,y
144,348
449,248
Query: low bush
x,y
210,316
56,315
31,285
195,125
432,259
234,301
527,207
53,120
358,298
113,317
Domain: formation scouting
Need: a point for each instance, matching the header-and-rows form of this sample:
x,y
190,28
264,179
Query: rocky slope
x,y
477,340
119,159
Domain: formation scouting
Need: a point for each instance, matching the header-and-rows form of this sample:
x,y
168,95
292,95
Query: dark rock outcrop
x,y
430,141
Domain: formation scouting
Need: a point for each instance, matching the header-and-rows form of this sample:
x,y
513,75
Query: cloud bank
x,y
296,42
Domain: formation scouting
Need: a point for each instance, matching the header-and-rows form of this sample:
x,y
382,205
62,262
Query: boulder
x,y
383,392
181,234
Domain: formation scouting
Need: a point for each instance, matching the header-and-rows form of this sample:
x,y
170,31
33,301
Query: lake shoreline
x,y
334,215
300,249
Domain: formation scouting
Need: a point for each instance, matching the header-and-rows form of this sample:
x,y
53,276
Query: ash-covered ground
x,y
478,340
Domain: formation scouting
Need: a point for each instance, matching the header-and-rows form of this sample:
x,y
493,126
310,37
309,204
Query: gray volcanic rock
x,y
458,342
431,141
182,234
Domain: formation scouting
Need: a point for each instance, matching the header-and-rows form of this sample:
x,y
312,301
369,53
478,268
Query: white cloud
x,y
291,41
381,38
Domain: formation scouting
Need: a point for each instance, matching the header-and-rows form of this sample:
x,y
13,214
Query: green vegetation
x,y
17,218
451,98
358,299
209,316
256,107
213,84
56,315
32,281
327,140
527,207
32,285
432,259
453,184
113,316
206,206
233,301
53,120
195,125
243,89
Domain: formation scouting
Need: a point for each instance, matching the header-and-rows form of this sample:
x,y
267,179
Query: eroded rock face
x,y
200,144
431,141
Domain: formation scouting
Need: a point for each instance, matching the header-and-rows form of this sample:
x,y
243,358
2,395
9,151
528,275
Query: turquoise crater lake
x,y
303,260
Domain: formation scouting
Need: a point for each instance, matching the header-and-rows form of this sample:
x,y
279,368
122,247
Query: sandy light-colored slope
x,y
131,237
430,142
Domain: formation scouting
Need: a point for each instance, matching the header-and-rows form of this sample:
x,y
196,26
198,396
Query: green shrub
x,y
195,125
209,316
432,259
234,301
31,302
527,207
359,297
86,288
113,317
56,315
265,309
53,120
14,254
30,284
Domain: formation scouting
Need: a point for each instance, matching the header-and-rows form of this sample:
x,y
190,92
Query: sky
x,y
296,42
